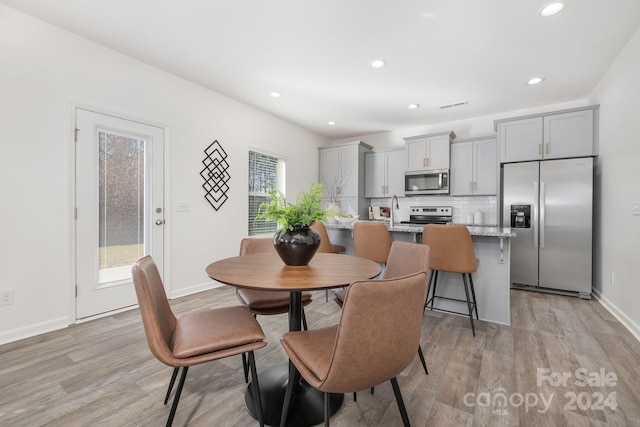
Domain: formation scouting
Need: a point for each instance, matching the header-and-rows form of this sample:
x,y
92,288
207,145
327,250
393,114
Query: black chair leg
x,y
466,291
176,398
403,410
424,363
256,388
304,321
173,380
327,410
473,294
245,368
431,274
287,395
432,278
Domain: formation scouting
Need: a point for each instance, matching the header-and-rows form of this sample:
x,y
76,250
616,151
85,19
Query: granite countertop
x,y
475,230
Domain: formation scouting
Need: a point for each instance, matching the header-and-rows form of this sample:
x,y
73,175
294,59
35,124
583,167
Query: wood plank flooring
x,y
101,373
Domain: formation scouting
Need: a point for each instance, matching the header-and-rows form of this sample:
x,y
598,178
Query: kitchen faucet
x,y
392,222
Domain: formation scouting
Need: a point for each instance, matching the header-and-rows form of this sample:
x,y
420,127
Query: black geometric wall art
x,y
215,175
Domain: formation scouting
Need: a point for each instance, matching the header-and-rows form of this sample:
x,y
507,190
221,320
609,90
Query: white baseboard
x,y
195,289
33,330
628,323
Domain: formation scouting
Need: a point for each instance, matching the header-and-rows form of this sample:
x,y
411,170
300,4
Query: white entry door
x,y
119,181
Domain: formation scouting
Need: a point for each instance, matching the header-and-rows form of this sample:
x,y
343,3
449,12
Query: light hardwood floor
x,y
101,373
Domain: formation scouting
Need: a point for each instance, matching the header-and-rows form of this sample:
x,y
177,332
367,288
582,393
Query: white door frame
x,y
166,272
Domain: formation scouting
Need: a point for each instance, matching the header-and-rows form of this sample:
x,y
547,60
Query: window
x,y
265,173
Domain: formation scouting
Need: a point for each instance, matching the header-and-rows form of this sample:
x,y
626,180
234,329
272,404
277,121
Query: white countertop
x,y
487,231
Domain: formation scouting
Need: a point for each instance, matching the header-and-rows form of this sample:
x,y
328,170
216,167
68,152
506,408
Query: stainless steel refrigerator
x,y
549,204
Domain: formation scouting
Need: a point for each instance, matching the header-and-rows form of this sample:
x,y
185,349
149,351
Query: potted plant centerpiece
x,y
295,241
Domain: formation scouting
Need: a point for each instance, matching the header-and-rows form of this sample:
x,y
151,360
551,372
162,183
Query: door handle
x,y
159,221
542,213
535,214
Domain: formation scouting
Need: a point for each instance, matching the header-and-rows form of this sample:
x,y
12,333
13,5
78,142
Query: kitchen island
x,y
491,280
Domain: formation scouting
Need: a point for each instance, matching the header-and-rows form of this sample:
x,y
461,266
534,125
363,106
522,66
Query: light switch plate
x,y
183,206
635,208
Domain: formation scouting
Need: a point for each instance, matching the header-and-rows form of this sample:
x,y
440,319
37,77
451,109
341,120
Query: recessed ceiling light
x,y
275,94
413,106
377,63
332,123
552,8
535,81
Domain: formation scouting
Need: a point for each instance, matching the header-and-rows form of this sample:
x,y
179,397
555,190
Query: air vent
x,y
453,104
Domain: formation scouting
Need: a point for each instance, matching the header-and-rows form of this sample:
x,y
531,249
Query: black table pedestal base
x,y
307,403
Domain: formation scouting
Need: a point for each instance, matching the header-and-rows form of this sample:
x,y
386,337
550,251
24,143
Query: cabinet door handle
x,y
546,148
475,185
539,149
470,186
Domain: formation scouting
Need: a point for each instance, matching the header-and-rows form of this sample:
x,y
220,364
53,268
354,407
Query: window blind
x,y
265,173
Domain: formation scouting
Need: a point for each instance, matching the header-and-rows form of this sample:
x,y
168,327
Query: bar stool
x,y
371,240
451,251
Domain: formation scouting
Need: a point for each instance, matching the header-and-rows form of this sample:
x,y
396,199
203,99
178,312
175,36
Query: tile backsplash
x,y
461,206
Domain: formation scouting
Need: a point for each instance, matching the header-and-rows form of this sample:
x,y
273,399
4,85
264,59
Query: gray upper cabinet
x,y
520,140
474,167
569,135
557,135
429,152
343,166
384,173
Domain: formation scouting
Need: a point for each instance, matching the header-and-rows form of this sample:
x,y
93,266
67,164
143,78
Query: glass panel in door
x,y
121,211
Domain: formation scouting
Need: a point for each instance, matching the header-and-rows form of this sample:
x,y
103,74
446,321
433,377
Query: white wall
x,y
618,185
43,72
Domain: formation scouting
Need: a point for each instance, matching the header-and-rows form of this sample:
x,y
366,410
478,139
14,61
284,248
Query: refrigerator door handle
x,y
542,213
535,215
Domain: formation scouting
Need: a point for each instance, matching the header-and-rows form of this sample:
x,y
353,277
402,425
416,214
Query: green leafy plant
x,y
304,212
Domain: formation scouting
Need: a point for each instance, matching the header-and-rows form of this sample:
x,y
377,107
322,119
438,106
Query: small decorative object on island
x,y
335,189
295,241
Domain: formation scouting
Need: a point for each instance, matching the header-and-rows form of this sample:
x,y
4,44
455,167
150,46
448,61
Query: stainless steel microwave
x,y
418,183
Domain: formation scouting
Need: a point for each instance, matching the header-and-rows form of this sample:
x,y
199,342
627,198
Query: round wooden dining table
x,y
266,271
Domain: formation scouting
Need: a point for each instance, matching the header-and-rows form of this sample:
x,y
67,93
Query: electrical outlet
x,y
612,278
6,297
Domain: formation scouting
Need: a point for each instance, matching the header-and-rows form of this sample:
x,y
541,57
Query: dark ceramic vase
x,y
297,246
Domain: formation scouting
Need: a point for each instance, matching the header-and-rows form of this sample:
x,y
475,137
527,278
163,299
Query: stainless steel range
x,y
430,215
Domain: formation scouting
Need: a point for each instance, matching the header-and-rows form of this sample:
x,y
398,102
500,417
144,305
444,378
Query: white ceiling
x,y
316,52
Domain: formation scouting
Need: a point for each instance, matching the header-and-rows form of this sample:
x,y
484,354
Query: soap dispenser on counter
x,y
478,217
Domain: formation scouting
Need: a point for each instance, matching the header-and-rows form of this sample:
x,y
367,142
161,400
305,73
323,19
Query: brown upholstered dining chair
x,y
451,251
325,245
193,338
377,315
264,302
404,258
